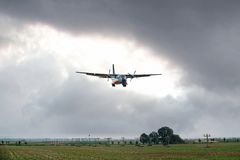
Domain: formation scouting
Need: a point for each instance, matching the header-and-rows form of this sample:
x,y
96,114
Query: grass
x,y
218,151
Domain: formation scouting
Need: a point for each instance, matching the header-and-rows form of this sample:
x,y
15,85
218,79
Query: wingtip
x,y
78,72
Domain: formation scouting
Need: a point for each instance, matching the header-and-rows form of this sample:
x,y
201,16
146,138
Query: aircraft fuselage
x,y
119,79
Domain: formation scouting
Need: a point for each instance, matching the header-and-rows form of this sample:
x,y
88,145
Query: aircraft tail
x,y
113,69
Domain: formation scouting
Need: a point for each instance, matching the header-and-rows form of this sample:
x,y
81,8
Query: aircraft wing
x,y
140,75
101,75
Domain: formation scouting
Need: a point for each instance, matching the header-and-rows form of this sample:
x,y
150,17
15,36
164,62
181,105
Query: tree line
x,y
164,135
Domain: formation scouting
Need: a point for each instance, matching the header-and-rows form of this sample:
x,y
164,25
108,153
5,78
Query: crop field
x,y
218,151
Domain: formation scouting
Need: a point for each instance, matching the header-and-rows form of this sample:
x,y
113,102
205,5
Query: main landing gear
x,y
113,85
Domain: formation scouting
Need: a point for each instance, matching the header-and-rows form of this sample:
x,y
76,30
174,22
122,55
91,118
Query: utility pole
x,y
89,139
207,138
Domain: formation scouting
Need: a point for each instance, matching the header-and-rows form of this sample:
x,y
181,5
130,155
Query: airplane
x,y
118,78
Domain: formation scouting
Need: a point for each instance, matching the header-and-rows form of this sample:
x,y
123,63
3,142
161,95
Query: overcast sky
x,y
193,43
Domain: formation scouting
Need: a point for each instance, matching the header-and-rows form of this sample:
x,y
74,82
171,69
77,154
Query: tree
x,y
144,138
136,143
199,140
176,139
154,137
165,134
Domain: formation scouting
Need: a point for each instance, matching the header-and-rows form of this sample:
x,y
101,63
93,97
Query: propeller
x,y
109,74
132,75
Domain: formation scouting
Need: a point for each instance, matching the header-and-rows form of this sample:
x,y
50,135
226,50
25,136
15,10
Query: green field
x,y
218,151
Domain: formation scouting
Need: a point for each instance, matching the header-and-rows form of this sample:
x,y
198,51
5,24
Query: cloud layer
x,y
42,97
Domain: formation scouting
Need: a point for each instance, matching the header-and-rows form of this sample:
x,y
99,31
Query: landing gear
x,y
113,85
124,84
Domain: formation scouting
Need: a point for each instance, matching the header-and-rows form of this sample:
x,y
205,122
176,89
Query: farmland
x,y
218,151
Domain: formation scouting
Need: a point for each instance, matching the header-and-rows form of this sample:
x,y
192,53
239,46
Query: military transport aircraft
x,y
118,78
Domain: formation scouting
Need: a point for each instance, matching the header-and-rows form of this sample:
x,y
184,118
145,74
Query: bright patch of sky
x,y
97,53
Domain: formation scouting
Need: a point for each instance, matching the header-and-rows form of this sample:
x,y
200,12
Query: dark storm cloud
x,y
199,36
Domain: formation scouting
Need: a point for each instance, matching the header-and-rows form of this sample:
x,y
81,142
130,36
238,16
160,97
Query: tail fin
x,y
113,69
